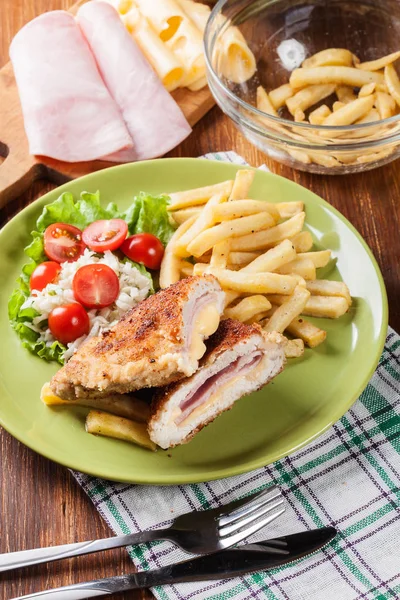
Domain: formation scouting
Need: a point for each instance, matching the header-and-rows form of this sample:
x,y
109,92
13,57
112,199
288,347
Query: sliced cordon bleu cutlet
x,y
159,341
240,359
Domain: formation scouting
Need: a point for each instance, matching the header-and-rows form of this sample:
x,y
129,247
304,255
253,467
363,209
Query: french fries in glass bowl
x,y
325,96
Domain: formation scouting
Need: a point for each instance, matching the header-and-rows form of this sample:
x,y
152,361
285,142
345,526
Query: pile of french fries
x,y
261,256
366,92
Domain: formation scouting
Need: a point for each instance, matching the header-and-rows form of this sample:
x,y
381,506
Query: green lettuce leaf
x,y
19,317
79,213
149,214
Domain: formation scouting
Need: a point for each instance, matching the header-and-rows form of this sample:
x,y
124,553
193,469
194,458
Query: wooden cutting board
x,y
20,169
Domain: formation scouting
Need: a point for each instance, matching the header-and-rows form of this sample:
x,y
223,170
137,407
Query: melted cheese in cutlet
x,y
205,324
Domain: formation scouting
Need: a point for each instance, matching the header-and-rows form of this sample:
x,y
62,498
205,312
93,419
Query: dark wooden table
x,y
41,504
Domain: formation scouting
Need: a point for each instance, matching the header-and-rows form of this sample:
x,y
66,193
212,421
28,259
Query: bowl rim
x,y
215,12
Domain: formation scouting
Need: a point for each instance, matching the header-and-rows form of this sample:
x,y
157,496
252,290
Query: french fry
x,y
202,223
336,105
325,287
242,258
308,97
320,258
386,105
248,307
270,237
326,160
254,283
330,307
198,196
330,56
374,156
279,95
200,269
294,348
345,94
289,209
367,89
186,268
301,156
380,63
220,254
289,310
371,117
243,208
264,103
122,405
338,75
301,266
273,259
236,228
101,423
310,334
242,184
349,113
230,297
300,280
171,264
299,115
302,241
180,216
317,116
393,83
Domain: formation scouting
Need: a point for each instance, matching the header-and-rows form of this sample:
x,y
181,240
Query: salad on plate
x,y
88,266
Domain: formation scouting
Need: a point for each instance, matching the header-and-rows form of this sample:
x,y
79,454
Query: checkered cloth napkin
x,y
348,478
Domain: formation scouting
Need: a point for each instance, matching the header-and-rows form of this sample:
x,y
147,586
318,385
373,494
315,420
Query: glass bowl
x,y
369,29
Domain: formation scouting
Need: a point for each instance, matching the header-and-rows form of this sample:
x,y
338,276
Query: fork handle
x,y
26,558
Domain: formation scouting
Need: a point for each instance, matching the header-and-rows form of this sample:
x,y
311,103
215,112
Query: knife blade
x,y
221,565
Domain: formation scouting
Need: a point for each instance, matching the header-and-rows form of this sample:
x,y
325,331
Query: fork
x,y
200,532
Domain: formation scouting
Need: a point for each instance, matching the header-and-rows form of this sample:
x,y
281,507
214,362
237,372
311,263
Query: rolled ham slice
x,y
68,112
154,120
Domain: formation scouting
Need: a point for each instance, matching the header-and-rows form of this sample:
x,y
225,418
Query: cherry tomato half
x,y
67,323
105,235
63,242
44,273
95,286
144,248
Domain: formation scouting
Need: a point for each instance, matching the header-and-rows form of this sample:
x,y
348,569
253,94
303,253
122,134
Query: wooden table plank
x,y
40,502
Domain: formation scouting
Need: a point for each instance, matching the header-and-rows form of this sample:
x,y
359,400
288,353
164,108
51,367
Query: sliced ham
x,y
240,359
153,118
203,391
68,112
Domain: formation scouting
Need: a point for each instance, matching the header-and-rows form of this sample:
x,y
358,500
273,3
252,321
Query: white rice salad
x,y
134,287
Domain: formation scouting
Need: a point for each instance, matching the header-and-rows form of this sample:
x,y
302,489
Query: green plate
x,y
311,394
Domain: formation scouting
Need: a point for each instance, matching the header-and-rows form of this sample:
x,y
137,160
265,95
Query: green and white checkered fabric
x,y
348,478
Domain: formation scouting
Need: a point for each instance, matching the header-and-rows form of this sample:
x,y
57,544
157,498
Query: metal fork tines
x,y
254,515
200,532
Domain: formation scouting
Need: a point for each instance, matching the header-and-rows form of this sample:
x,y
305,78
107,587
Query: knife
x,y
221,565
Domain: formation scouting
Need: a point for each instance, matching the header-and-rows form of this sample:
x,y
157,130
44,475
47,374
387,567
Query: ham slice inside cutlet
x,y
201,394
68,112
154,120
